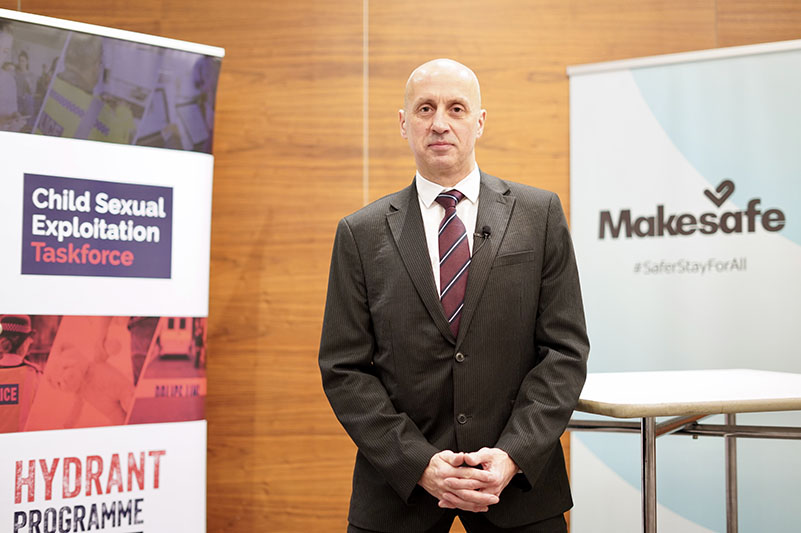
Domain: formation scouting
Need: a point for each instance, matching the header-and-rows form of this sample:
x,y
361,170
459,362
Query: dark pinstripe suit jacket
x,y
389,365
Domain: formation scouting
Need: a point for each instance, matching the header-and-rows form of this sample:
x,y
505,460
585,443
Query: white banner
x,y
149,478
105,216
187,175
686,217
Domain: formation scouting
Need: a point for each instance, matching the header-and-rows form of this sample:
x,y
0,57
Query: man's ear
x,y
402,122
482,117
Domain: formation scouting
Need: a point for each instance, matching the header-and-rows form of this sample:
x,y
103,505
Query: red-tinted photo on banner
x,y
62,372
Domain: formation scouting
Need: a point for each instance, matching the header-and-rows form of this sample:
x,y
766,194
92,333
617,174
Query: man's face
x,y
442,119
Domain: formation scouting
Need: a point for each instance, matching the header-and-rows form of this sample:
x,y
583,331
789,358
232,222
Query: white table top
x,y
689,392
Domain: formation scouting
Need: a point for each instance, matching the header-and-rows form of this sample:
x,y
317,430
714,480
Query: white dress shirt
x,y
432,212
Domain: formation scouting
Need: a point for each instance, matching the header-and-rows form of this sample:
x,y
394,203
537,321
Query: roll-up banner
x,y
686,217
105,214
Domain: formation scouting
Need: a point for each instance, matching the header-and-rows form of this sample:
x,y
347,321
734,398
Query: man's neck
x,y
448,179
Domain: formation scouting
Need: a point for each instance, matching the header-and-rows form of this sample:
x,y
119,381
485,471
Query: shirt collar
x,y
427,191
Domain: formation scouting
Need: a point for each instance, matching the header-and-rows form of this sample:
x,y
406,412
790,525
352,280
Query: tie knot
x,y
449,199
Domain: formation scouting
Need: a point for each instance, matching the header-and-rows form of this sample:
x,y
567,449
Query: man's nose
x,y
439,124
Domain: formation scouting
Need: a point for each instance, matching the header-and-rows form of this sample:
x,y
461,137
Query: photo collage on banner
x,y
106,140
686,218
63,372
85,86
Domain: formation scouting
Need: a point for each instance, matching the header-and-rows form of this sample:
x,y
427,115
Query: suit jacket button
x,y
461,418
459,357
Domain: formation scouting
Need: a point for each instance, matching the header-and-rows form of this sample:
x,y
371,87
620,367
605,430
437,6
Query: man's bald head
x,y
439,68
442,118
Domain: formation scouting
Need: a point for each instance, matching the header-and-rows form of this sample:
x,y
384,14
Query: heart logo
x,y
724,190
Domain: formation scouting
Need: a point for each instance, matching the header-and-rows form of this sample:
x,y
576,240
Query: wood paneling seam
x,y
365,102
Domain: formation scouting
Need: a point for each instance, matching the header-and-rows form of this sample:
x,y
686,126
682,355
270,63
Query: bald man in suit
x,y
455,382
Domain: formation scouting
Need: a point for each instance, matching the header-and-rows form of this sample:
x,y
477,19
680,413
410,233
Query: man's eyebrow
x,y
431,101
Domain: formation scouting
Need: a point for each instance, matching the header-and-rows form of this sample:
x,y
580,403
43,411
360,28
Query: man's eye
x,y
425,109
458,109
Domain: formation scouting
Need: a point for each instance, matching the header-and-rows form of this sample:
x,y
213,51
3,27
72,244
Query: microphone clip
x,y
484,233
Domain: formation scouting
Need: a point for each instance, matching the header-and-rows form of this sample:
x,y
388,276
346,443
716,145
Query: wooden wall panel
x,y
519,50
288,150
288,159
145,18
749,21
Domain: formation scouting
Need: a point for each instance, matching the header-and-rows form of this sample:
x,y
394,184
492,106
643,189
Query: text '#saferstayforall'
x,y
692,267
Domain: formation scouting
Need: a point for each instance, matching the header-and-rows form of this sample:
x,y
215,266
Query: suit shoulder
x,y
524,193
377,209
532,194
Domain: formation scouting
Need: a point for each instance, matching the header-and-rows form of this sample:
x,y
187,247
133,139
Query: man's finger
x,y
476,497
457,483
477,458
445,505
452,458
464,472
455,502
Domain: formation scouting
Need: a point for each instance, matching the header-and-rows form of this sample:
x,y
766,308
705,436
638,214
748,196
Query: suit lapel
x,y
406,224
494,209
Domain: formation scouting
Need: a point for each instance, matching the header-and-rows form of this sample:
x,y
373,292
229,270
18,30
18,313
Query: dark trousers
x,y
478,523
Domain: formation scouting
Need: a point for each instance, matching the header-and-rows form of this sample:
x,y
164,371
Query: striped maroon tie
x,y
454,259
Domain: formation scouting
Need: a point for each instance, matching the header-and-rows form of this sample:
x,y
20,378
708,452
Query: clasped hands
x,y
452,478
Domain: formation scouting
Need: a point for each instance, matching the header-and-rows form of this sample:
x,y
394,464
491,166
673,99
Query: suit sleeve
x,y
550,391
389,440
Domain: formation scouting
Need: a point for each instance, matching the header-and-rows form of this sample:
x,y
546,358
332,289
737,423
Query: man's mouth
x,y
439,145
